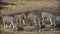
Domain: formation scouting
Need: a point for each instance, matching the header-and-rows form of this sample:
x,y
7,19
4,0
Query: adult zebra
x,y
8,19
19,19
13,20
51,17
35,19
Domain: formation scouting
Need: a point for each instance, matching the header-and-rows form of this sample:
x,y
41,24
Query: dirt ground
x,y
29,32
4,32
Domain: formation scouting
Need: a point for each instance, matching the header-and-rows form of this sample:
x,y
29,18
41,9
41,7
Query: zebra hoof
x,y
20,28
43,26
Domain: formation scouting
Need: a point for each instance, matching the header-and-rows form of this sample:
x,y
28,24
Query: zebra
x,y
7,19
51,17
35,19
19,18
13,20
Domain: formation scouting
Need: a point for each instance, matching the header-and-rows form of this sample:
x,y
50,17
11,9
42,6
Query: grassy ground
x,y
29,5
15,32
31,33
4,32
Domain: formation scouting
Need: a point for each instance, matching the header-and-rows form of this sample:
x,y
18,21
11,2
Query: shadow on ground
x,y
4,4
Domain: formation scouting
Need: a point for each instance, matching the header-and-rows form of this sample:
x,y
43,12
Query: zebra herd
x,y
17,19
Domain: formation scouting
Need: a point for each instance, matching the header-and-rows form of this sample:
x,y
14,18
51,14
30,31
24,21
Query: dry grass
x,y
22,6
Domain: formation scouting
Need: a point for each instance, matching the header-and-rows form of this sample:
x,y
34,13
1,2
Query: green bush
x,y
29,22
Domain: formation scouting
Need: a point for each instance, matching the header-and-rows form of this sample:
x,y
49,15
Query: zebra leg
x,y
9,25
23,22
43,21
20,21
51,21
15,25
12,24
35,22
54,21
36,26
4,24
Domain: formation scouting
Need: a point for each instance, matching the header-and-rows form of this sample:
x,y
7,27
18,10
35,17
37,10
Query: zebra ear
x,y
26,13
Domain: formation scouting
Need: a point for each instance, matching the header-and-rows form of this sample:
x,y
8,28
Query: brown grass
x,y
22,6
